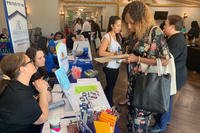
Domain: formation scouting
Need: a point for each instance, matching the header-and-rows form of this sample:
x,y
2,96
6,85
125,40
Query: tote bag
x,y
152,90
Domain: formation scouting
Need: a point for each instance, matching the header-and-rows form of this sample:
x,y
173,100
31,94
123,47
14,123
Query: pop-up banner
x,y
15,14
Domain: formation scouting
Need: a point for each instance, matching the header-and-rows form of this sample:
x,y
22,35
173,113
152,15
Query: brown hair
x,y
32,51
177,21
10,65
112,21
141,15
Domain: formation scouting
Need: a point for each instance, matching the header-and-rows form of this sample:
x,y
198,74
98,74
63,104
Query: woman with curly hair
x,y
139,20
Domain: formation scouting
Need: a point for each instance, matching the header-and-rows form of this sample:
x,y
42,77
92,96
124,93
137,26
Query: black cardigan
x,y
178,48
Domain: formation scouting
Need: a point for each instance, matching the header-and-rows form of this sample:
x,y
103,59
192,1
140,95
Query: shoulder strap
x,y
150,33
149,41
109,41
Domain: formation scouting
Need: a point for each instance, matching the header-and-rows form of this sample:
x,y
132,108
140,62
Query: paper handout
x,y
109,58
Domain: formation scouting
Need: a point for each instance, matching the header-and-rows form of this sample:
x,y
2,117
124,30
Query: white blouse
x,y
112,47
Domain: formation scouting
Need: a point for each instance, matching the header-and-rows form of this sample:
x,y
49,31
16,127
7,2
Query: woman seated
x,y
51,62
20,112
38,58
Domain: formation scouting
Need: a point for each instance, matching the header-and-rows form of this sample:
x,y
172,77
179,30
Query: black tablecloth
x,y
193,58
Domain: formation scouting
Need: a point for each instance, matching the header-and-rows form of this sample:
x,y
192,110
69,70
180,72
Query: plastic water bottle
x,y
118,51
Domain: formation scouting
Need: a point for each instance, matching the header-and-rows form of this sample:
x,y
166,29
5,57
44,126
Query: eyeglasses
x,y
31,61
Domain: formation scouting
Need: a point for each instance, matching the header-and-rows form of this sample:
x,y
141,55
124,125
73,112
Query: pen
x,y
68,117
56,91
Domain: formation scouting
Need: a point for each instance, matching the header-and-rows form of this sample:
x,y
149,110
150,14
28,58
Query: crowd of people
x,y
25,91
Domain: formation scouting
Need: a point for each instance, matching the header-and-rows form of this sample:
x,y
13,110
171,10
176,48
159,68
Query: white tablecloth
x,y
60,111
67,110
79,45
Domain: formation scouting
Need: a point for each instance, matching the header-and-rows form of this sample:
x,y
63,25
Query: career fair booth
x,y
79,102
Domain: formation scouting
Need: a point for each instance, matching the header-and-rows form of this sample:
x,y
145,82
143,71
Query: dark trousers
x,y
111,78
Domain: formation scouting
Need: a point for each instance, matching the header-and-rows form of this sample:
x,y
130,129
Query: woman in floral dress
x,y
139,20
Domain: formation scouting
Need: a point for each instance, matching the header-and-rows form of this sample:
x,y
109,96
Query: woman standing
x,y
193,33
139,20
110,46
20,112
178,47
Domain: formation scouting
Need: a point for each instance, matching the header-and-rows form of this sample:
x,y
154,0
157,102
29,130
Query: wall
x,y
193,13
44,14
109,10
2,17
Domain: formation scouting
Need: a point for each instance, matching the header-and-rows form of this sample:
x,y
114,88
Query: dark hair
x,y
10,65
79,20
177,21
142,16
41,72
58,33
92,22
195,25
112,21
32,51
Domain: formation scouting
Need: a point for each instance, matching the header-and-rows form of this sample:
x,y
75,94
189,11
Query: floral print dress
x,y
138,120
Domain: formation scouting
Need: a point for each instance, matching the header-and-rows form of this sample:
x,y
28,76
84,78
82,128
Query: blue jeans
x,y
165,117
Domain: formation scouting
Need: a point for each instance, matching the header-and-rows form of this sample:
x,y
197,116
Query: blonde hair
x,y
142,16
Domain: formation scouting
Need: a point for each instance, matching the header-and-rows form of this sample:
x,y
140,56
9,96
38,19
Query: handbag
x,y
152,90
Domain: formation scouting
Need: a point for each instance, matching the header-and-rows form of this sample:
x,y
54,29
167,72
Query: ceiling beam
x,y
187,2
168,5
91,2
173,5
116,2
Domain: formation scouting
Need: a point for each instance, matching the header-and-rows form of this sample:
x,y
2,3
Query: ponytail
x,y
9,66
3,85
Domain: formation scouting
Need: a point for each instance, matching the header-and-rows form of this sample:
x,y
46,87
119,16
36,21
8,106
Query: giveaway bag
x,y
152,90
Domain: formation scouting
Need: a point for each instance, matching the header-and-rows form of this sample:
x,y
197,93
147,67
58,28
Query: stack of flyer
x,y
87,90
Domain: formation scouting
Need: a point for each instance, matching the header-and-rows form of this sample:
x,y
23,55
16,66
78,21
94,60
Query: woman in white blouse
x,y
110,45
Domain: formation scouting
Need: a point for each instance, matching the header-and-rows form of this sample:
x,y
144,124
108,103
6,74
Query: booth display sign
x,y
17,25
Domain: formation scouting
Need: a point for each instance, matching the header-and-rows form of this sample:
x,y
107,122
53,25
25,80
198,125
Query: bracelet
x,y
138,62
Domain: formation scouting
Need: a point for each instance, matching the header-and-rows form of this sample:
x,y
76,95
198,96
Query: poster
x,y
17,24
62,77
61,52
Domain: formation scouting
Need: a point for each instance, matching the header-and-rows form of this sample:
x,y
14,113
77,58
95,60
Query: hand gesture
x,y
41,85
132,58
